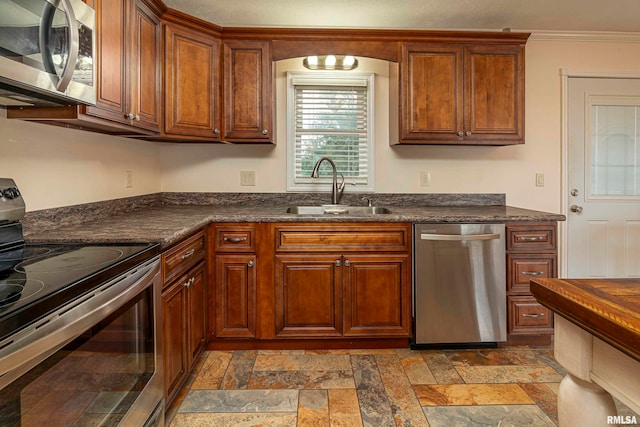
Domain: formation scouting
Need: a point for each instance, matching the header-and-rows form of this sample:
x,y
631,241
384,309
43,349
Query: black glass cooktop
x,y
37,279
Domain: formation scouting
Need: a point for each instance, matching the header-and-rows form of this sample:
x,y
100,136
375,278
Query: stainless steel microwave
x,y
47,53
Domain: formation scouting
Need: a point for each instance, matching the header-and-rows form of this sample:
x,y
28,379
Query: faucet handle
x,y
342,184
369,201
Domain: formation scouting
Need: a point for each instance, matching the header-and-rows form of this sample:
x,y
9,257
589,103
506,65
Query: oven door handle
x,y
38,341
459,237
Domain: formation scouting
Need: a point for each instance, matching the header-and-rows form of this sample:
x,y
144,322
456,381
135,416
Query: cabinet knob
x,y
347,263
137,118
264,131
250,264
460,134
130,116
216,131
338,263
468,133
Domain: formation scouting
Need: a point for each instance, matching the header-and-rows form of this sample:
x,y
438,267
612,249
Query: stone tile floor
x,y
515,386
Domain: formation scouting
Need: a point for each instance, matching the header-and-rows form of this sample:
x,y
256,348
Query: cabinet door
x,y
174,347
111,48
236,296
494,94
308,295
377,295
145,79
197,312
192,70
430,104
247,92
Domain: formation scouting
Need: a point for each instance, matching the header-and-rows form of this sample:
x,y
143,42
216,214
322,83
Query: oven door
x,y
96,361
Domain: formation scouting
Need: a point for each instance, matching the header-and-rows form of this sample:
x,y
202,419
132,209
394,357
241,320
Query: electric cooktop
x,y
37,279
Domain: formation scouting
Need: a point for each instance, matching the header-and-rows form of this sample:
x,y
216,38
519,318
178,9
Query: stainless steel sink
x,y
338,210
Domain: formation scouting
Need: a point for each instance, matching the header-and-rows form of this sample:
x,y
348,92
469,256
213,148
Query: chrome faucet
x,y
336,190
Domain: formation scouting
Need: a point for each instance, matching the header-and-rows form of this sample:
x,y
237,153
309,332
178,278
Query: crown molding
x,y
583,36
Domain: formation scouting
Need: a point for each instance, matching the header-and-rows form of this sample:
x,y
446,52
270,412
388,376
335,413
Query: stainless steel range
x,y
79,329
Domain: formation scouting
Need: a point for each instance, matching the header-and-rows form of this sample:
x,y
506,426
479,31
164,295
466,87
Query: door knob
x,y
575,208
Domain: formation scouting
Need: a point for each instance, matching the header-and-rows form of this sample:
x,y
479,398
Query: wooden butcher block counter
x,y
597,340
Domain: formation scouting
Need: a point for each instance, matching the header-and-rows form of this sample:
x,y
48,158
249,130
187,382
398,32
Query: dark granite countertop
x,y
168,224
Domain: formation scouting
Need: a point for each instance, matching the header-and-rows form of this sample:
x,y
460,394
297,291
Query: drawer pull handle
x,y
189,282
250,264
532,238
235,239
532,273
533,316
187,254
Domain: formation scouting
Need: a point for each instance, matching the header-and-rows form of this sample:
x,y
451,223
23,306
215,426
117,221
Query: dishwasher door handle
x,y
459,237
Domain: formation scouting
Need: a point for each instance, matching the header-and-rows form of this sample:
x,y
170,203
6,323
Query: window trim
x,y
329,78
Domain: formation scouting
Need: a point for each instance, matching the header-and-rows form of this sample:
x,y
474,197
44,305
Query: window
x,y
328,116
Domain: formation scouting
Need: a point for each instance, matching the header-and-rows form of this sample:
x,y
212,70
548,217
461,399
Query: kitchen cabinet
x,y
337,280
184,310
128,71
531,251
192,82
459,93
247,92
236,278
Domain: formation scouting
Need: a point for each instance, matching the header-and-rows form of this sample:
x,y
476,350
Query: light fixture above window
x,y
330,62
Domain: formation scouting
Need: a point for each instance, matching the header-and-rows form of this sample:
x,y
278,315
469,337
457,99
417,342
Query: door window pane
x,y
614,159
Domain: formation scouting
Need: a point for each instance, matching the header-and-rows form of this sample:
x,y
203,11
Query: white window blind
x,y
329,117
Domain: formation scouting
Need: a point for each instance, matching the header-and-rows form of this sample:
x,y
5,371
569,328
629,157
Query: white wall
x,y
55,166
59,167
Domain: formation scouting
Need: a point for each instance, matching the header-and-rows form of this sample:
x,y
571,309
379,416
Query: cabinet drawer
x,y
527,316
531,237
182,256
235,238
524,267
338,237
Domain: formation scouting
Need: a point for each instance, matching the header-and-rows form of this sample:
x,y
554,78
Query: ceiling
x,y
523,15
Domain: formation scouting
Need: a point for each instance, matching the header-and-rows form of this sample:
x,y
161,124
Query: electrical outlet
x,y
128,179
247,178
539,179
425,179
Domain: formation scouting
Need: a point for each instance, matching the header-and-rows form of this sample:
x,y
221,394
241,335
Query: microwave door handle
x,y
74,47
458,237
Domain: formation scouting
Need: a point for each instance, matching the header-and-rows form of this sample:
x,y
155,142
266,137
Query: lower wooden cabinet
x,y
376,295
308,281
308,296
531,253
235,298
184,307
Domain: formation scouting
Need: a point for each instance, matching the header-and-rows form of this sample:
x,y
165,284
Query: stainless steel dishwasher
x,y
459,295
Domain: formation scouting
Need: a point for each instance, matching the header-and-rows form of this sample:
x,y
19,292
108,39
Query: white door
x,y
603,219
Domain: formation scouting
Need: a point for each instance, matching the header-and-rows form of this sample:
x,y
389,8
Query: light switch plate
x,y
539,179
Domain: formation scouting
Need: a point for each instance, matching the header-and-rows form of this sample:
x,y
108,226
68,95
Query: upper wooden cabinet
x,y
128,43
192,82
128,69
459,94
247,91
